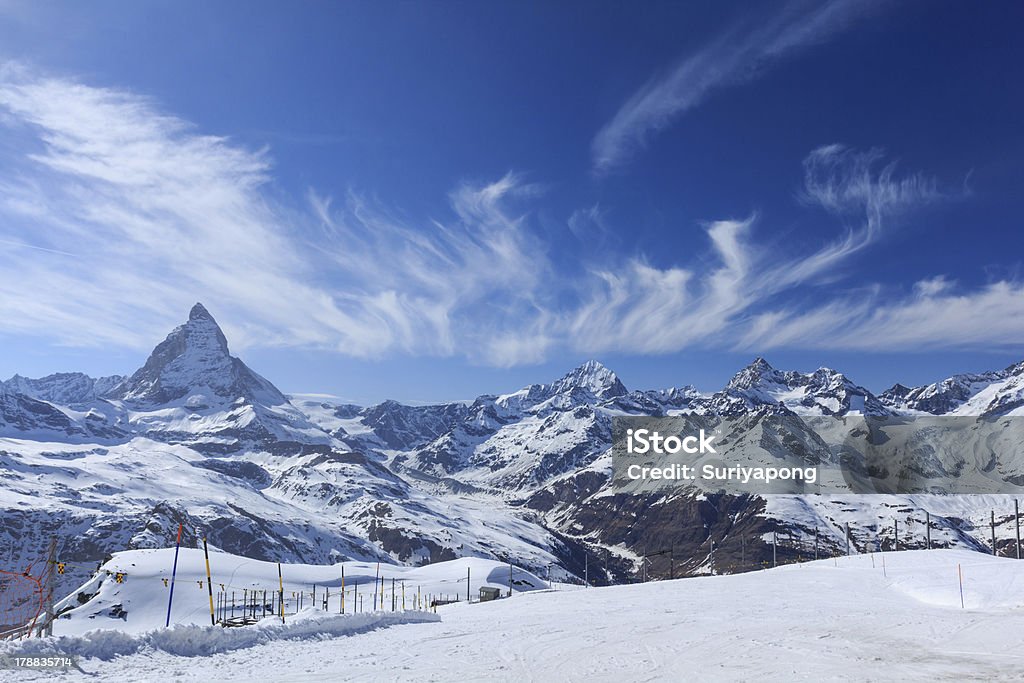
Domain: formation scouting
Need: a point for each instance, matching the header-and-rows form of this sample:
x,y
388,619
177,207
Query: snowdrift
x,y
194,641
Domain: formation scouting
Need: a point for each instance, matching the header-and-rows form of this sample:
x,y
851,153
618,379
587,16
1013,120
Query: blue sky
x,y
428,201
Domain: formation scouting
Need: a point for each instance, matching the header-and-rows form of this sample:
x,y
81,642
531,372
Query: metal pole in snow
x,y
993,532
280,596
815,542
51,587
342,589
209,581
960,574
586,569
896,534
174,573
1016,515
774,542
928,524
847,538
467,585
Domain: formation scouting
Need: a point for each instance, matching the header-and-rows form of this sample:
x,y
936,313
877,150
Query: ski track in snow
x,y
834,620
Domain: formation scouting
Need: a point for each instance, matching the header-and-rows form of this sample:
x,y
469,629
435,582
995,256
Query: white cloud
x,y
115,217
640,308
933,317
469,286
732,58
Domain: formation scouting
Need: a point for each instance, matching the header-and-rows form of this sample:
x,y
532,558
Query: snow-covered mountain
x,y
25,415
1000,392
191,390
196,437
822,392
64,388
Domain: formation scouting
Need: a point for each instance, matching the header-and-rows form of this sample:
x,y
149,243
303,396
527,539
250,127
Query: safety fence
x,y
999,535
26,597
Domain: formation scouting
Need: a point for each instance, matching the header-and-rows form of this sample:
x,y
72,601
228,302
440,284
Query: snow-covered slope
x,y
64,388
852,618
24,416
139,603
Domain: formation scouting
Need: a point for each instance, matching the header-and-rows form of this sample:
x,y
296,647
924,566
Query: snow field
x,y
838,619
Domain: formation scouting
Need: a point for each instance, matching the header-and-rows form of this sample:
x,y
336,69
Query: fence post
x,y
342,590
847,539
468,599
775,540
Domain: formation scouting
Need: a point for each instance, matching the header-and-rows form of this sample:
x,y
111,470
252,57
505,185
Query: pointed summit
x,y
591,377
194,360
199,312
758,371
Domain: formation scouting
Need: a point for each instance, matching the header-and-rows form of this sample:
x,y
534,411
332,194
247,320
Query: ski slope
x,y
845,619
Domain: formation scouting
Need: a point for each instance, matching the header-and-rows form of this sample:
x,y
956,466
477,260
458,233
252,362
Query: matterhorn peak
x,y
194,359
199,312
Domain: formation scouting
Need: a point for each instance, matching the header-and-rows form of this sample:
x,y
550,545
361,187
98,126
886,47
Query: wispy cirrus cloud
x,y
937,315
647,309
733,58
467,286
116,216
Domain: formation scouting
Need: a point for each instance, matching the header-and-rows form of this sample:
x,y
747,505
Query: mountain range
x,y
196,437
